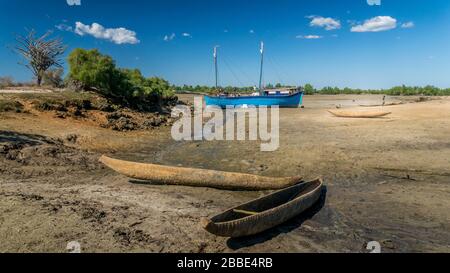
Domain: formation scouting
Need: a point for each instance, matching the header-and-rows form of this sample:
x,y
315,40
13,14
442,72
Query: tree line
x,y
225,89
402,90
211,90
308,89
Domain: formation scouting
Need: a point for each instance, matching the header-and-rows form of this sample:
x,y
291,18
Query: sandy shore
x,y
25,91
388,180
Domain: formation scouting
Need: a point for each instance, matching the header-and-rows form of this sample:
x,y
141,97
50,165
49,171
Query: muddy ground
x,y
388,180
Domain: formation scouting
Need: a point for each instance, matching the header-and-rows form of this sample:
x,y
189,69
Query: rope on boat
x,y
231,67
280,78
232,72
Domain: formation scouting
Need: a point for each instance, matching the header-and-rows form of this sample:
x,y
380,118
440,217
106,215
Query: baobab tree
x,y
40,53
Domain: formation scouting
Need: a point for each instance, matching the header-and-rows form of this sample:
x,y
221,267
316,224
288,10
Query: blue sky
x,y
322,42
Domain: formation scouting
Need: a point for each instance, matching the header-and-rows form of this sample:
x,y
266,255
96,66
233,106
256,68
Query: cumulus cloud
x,y
376,24
115,35
408,25
327,23
309,37
170,37
185,34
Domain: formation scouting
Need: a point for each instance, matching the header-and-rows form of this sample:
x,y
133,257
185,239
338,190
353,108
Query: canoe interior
x,y
269,202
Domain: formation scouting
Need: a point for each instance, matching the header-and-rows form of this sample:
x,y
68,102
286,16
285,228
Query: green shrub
x,y
91,70
54,77
6,82
309,89
10,106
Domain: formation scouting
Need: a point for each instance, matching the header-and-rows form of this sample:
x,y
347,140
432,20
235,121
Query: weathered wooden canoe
x,y
382,105
266,212
359,114
197,177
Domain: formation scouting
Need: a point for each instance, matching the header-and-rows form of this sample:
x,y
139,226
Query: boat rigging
x,y
286,97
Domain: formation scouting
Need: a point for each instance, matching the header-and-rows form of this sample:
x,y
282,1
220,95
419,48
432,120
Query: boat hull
x,y
225,224
291,101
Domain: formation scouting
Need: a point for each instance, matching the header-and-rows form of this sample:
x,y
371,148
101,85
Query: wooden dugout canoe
x,y
266,212
381,105
197,177
359,114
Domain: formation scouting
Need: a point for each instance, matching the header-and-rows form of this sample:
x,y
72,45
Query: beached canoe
x,y
381,105
197,177
359,114
266,212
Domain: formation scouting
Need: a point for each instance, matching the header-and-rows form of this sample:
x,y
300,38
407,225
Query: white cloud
x,y
374,2
73,2
408,25
352,22
327,23
309,37
185,34
116,35
376,24
64,27
170,37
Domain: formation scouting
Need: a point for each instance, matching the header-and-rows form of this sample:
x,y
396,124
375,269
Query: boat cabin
x,y
281,91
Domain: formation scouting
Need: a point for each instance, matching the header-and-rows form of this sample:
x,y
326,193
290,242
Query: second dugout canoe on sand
x,y
197,177
359,114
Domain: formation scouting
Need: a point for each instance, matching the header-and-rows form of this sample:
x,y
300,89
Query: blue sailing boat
x,y
282,97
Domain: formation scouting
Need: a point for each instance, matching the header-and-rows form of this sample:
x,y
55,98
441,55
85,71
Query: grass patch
x,y
57,101
10,106
60,101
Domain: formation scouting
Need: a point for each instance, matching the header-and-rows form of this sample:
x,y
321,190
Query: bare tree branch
x,y
40,53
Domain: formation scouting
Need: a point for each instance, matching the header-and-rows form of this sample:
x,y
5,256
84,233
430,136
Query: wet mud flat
x,y
387,180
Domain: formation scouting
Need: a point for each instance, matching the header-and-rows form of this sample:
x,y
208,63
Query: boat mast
x,y
261,91
215,67
261,72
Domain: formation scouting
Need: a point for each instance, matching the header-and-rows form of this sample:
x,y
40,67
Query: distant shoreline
x,y
326,94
